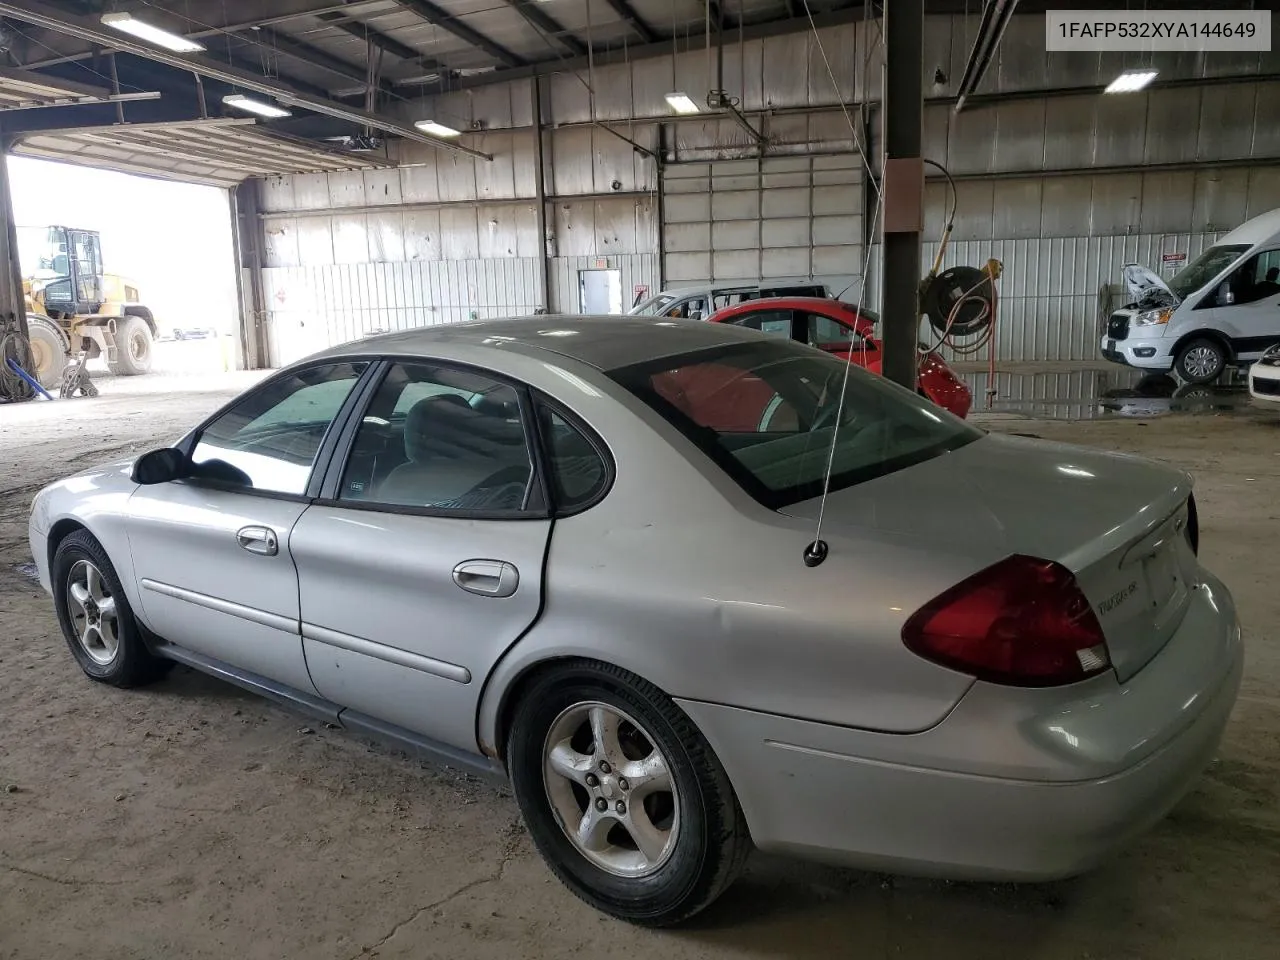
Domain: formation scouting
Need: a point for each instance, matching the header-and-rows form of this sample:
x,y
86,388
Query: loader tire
x,y
134,348
48,351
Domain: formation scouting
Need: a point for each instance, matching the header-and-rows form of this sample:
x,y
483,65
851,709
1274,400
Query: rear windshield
x,y
1204,268
766,412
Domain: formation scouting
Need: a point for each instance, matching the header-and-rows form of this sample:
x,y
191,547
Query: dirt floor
x,y
192,820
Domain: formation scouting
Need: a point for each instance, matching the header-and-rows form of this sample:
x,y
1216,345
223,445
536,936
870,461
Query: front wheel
x,y
1201,361
95,616
48,351
133,348
622,795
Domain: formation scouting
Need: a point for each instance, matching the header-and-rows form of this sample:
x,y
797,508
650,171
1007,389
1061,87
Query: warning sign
x,y
1173,261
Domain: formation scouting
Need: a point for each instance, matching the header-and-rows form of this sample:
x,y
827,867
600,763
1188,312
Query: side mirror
x,y
1225,297
159,466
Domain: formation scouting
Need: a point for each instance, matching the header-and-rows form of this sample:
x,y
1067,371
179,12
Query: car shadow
x,y
801,910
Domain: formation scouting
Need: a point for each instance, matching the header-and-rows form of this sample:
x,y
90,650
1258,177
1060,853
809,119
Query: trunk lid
x,y
1119,523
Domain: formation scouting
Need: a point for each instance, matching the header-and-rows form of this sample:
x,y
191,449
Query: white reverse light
x,y
437,129
260,107
682,103
1131,81
128,23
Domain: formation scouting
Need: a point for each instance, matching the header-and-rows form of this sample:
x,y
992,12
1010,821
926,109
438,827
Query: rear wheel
x,y
48,351
623,797
1201,361
95,616
133,347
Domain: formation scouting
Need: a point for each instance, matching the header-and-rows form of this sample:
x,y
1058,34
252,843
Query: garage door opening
x,y
155,250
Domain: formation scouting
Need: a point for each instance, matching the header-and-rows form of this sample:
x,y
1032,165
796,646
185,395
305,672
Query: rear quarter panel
x,y
681,578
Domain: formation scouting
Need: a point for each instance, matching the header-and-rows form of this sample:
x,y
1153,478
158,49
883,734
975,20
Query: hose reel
x,y
960,301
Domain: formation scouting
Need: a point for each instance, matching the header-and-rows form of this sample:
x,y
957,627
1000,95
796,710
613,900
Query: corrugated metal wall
x,y
443,237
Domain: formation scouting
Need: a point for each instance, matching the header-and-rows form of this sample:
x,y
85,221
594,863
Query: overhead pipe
x,y
995,18
85,29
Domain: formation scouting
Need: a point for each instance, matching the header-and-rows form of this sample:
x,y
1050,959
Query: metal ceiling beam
x,y
362,31
88,30
632,19
662,48
533,15
430,13
304,52
348,9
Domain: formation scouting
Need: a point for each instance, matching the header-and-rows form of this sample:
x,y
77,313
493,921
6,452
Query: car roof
x,y
604,342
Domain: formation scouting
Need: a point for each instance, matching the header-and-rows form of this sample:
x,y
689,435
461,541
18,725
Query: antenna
x,y
817,549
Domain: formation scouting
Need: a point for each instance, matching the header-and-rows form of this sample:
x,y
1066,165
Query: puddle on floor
x,y
1091,394
28,570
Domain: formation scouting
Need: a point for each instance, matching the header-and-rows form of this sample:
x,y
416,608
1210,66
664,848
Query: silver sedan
x,y
584,554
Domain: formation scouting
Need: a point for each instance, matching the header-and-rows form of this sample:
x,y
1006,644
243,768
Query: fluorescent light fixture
x,y
1131,81
681,103
437,129
128,23
260,107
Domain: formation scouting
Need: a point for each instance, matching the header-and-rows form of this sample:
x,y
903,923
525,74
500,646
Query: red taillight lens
x,y
1023,621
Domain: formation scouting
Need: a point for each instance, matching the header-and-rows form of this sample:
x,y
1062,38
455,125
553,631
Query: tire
x,y
1201,361
705,841
115,653
133,348
49,351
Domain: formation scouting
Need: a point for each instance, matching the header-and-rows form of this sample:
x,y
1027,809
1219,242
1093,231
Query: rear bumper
x,y
1002,788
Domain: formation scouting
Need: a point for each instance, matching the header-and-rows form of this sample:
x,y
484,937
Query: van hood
x,y
1146,289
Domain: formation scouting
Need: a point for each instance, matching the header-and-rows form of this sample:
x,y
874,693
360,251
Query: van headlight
x,y
1152,318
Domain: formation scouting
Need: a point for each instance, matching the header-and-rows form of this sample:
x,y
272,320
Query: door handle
x,y
259,540
487,578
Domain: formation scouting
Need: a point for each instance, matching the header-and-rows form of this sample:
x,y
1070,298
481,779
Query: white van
x,y
1222,308
698,303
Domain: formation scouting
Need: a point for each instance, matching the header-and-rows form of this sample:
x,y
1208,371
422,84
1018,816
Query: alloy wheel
x,y
94,618
1201,362
611,789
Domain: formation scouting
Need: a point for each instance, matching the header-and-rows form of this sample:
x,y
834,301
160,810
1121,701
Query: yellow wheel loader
x,y
72,305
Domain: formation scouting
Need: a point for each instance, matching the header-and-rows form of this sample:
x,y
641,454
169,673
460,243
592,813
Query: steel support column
x,y
12,301
254,339
903,187
540,195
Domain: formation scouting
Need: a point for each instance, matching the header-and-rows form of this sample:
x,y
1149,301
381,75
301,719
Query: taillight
x,y
1023,621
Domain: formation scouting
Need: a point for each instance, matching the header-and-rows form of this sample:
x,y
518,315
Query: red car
x,y
838,328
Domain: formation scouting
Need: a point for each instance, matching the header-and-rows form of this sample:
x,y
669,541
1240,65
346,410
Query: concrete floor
x,y
192,820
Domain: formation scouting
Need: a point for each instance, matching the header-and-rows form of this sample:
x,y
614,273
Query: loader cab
x,y
66,266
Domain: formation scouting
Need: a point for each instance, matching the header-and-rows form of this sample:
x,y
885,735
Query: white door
x,y
600,291
211,553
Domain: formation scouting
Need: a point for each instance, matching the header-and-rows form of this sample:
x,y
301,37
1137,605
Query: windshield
x,y
766,413
1204,268
652,307
42,252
